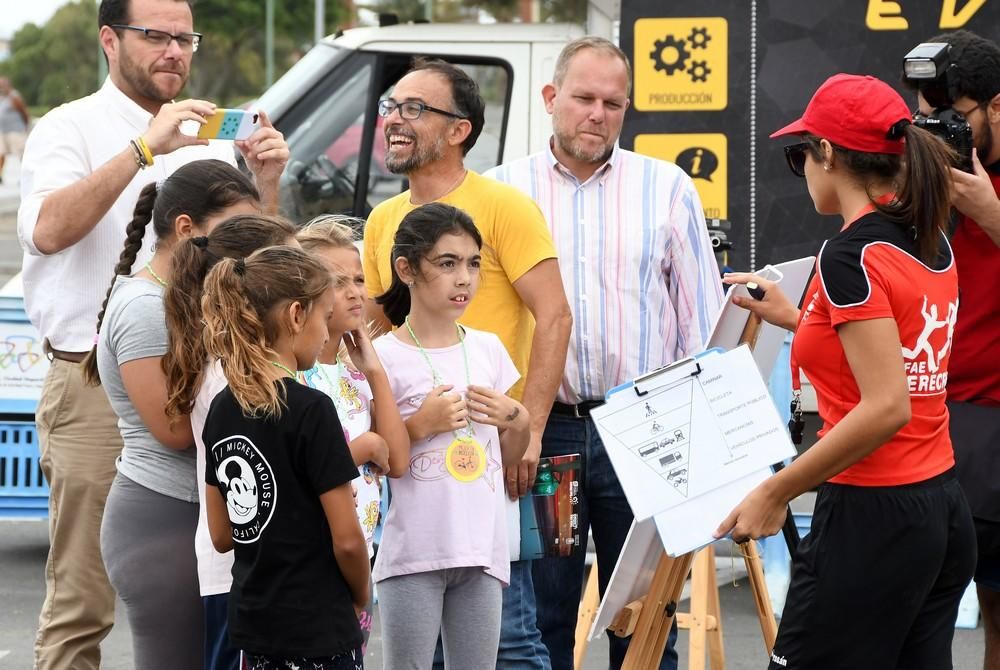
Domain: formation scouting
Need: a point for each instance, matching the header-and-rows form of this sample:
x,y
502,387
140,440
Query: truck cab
x,y
326,105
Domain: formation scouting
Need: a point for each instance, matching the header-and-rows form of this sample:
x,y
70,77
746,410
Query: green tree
x,y
229,67
57,62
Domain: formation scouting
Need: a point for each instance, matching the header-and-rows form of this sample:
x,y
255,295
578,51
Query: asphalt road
x,y
23,546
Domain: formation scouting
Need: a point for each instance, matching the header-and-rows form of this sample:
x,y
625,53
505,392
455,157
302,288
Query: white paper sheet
x,y
688,450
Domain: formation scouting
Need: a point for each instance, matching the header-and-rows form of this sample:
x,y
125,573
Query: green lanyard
x,y
287,369
435,376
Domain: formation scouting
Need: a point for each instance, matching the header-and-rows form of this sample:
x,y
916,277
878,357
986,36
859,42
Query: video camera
x,y
718,230
928,69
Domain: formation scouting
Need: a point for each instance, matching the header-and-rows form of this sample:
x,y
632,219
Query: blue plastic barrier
x,y
24,492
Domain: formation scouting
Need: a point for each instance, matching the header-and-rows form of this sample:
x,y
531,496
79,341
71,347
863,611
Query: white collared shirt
x,y
63,291
636,262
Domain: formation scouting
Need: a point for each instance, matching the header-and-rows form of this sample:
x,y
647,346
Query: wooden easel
x,y
648,620
704,621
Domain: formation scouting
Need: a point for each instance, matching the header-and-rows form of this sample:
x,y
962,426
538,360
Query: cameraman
x,y
974,376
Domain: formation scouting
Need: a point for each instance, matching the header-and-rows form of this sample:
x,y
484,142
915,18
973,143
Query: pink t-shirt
x,y
448,510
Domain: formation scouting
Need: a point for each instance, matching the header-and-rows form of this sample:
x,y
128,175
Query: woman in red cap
x,y
877,582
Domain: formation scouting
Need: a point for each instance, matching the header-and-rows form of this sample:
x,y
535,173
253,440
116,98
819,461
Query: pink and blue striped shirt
x,y
636,262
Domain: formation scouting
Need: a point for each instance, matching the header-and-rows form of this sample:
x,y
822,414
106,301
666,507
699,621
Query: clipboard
x,y
687,441
793,278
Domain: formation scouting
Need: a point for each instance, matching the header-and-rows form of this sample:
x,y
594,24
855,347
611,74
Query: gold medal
x,y
465,459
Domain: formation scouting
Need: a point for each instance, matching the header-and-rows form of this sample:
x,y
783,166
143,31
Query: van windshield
x,y
300,78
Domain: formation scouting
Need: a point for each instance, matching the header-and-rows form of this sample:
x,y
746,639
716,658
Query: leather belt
x,y
578,411
68,356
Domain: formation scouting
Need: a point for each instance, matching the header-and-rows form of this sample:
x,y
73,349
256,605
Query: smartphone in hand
x,y
229,124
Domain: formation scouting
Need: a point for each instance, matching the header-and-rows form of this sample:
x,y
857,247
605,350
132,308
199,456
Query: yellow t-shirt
x,y
515,239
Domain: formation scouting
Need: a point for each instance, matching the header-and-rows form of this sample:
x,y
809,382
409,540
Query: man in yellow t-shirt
x,y
432,120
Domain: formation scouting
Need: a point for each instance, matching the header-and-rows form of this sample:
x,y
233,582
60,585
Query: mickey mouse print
x,y
246,481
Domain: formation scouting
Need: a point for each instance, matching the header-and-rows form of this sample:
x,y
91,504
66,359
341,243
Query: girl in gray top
x,y
147,534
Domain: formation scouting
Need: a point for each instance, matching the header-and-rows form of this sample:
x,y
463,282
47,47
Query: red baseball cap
x,y
855,112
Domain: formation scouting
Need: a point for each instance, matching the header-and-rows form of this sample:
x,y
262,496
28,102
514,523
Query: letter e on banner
x,y
885,15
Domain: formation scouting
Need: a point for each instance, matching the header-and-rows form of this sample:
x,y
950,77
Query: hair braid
x,y
134,233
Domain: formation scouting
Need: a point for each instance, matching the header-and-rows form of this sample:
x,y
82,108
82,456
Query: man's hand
x,y
521,477
164,135
265,152
973,195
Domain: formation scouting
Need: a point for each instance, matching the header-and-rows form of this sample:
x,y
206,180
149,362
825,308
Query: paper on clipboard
x,y
677,437
633,573
792,277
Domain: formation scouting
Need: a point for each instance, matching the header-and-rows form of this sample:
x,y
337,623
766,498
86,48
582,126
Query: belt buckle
x,y
576,412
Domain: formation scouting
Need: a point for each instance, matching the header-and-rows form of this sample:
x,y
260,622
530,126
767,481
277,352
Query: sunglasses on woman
x,y
795,154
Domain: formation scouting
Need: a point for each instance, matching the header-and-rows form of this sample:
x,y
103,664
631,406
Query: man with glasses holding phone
x,y
431,122
971,87
84,165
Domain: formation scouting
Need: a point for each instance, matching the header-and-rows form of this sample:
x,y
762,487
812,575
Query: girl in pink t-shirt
x,y
356,383
443,559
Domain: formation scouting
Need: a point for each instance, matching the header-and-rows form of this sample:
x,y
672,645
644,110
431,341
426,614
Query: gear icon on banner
x,y
699,70
699,38
679,52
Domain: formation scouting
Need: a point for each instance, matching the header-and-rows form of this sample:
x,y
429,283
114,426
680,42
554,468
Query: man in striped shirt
x,y
643,286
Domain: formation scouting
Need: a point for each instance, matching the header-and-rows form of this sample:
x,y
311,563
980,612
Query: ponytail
x,y
134,233
923,199
236,237
396,301
242,322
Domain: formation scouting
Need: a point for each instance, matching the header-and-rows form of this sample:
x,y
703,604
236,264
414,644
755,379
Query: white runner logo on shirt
x,y
922,361
247,482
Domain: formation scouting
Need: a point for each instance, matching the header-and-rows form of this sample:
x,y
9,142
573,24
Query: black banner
x,y
713,79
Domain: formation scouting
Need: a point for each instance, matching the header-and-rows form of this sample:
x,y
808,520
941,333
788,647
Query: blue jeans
x,y
218,654
521,645
604,511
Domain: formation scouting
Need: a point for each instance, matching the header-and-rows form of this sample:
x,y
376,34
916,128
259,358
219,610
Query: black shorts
x,y
876,583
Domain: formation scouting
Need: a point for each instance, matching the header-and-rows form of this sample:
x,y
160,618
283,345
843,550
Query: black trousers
x,y
877,582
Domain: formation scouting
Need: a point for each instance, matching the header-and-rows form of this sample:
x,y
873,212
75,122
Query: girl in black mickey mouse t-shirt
x,y
278,473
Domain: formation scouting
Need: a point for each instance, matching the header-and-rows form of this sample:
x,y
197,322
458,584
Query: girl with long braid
x,y
147,533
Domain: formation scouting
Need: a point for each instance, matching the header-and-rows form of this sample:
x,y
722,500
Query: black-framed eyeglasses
x,y
970,110
162,39
411,109
795,154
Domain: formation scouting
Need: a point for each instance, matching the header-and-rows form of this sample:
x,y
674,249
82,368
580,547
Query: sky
x,y
16,13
